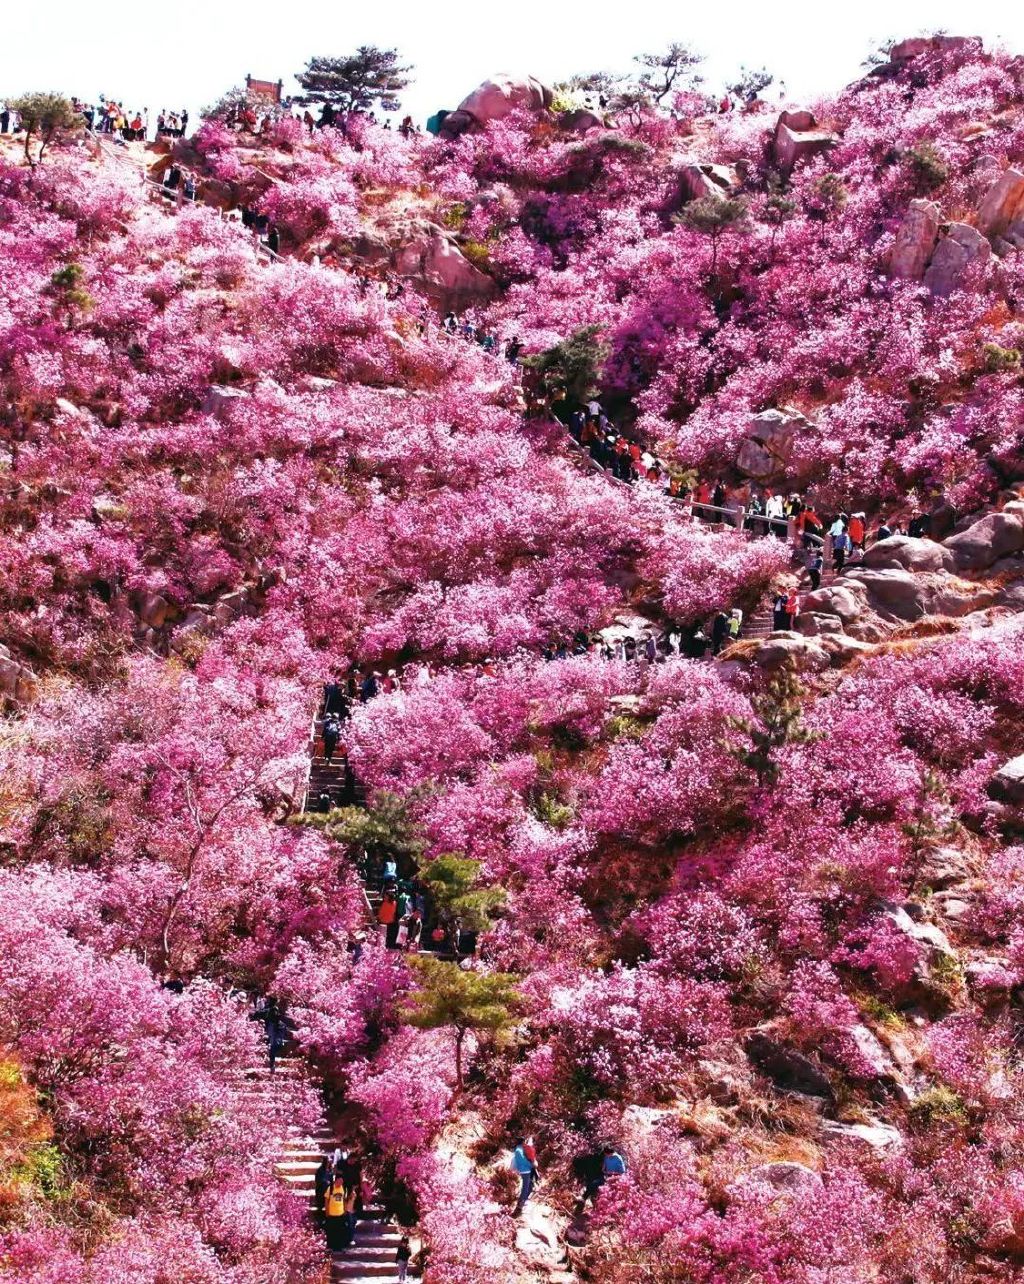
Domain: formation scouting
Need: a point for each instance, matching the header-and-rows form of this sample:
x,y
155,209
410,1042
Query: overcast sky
x,y
187,52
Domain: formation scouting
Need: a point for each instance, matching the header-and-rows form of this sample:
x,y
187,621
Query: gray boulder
x,y
959,258
220,399
874,1133
900,551
995,536
503,94
1007,784
781,650
788,1178
1003,203
915,240
17,681
767,449
895,594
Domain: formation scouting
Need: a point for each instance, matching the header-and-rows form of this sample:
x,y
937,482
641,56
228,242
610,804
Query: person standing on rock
x,y
526,1168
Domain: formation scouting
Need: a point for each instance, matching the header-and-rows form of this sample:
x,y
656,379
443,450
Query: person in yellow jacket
x,y
336,1222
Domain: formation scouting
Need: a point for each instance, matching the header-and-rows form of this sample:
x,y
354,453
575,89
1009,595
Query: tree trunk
x,y
459,1036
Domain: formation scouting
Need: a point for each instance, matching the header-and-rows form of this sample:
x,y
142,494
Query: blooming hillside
x,y
751,921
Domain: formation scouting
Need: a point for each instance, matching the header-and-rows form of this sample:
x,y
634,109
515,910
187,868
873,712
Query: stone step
x,y
356,1270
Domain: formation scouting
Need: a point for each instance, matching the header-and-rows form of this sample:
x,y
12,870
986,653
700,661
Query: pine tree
x,y
448,997
358,82
714,215
778,724
452,881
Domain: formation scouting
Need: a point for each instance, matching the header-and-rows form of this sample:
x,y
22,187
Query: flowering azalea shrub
x,y
764,936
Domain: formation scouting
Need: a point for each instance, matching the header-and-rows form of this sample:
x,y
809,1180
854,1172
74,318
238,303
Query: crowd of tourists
x,y
114,120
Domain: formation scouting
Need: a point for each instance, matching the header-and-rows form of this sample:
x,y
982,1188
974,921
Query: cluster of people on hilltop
x,y
171,124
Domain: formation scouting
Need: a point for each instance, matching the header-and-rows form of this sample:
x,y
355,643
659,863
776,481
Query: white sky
x,y
185,53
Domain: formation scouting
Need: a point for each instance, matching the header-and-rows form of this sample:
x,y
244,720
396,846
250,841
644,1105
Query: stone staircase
x,y
759,625
371,1256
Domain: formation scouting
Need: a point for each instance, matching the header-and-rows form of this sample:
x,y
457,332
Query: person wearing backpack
x,y
524,1165
335,1215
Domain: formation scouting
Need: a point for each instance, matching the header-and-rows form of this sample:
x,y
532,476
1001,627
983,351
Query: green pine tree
x,y
778,723
447,997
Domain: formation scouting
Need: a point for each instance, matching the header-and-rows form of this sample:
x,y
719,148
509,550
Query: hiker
x,y
331,733
402,1255
840,549
335,698
815,565
735,623
387,916
335,1218
389,877
792,608
413,928
274,1027
857,531
611,1164
526,1167
779,618
884,532
719,632
322,1179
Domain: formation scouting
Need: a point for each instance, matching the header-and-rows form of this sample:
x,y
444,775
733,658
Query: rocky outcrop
x,y
915,240
580,121
797,138
1007,784
695,180
220,399
766,452
792,650
1003,204
918,45
788,1178
502,94
934,956
433,259
993,537
960,256
874,1133
896,594
909,554
785,1065
17,681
